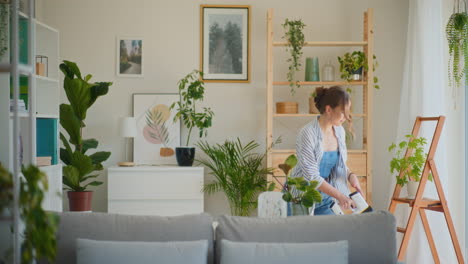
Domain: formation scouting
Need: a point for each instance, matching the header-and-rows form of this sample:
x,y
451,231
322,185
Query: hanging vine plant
x,y
295,37
457,36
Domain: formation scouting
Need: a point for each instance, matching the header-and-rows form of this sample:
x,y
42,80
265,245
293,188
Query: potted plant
x,y
39,240
295,37
353,65
412,165
79,166
312,108
300,194
238,172
457,36
191,91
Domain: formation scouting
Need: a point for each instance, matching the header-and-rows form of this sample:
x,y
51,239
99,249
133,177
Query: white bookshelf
x,y
43,105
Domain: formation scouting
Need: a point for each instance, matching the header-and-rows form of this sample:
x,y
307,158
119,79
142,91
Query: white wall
x,y
88,31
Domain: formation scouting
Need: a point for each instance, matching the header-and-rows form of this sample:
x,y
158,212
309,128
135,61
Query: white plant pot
x,y
312,209
412,188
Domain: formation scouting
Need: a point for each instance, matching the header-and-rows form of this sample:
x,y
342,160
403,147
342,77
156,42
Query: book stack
x,y
44,161
21,106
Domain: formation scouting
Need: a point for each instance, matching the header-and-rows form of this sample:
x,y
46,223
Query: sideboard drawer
x,y
155,190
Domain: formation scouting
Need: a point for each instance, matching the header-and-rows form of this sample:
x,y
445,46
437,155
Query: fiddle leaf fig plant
x,y
295,37
82,94
412,165
457,36
191,90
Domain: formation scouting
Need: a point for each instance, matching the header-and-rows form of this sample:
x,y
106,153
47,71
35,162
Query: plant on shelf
x,y
457,36
295,37
191,91
79,166
300,193
352,66
312,108
39,240
238,172
412,165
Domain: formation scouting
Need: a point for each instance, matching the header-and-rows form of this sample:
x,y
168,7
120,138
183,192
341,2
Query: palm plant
x,y
239,173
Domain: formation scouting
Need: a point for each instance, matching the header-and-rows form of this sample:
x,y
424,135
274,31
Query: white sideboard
x,y
155,190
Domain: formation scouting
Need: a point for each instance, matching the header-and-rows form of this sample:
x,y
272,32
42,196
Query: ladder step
x,y
401,229
424,202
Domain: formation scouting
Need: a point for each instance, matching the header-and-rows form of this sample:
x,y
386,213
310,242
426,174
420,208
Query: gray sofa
x,y
371,237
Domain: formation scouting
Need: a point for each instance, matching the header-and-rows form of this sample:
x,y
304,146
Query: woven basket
x,y
286,108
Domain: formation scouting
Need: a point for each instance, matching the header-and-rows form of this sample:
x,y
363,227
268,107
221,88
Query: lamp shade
x,y
128,127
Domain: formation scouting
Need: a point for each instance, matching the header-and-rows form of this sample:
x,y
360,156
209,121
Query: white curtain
x,y
423,92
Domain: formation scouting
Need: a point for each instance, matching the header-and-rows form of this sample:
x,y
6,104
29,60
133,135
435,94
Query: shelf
x,y
47,116
309,115
324,43
294,151
44,78
324,83
21,114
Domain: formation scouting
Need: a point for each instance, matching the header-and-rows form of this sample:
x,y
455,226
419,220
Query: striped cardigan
x,y
309,151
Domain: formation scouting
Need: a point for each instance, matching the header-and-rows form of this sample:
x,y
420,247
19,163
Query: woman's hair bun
x,y
319,93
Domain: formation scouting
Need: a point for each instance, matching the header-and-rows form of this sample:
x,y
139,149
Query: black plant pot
x,y
185,156
357,75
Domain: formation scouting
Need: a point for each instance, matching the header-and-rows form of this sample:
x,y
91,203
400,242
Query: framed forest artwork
x,y
157,134
225,43
130,57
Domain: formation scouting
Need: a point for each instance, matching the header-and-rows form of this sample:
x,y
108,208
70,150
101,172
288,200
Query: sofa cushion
x,y
115,227
124,252
371,236
281,253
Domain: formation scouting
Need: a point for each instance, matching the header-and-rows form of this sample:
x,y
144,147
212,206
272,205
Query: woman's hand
x,y
345,202
354,181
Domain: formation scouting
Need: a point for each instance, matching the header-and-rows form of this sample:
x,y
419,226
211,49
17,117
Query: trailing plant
x,y
39,239
238,172
82,95
298,190
295,37
457,36
191,90
412,165
351,63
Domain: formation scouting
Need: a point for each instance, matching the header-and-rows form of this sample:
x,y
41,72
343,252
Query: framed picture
x,y
225,43
157,134
129,57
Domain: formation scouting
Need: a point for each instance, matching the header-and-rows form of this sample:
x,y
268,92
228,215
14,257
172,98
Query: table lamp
x,y
127,130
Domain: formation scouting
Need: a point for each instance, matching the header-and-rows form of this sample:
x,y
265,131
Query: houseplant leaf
x,y
71,124
100,156
89,144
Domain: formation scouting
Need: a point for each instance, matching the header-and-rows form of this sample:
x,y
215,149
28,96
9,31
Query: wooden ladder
x,y
420,204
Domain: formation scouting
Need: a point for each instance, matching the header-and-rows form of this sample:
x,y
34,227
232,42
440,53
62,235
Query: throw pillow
x,y
120,252
280,253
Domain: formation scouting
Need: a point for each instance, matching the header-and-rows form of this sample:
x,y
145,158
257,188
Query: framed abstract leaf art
x,y
157,134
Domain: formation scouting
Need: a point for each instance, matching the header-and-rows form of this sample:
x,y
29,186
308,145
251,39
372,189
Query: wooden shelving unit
x,y
359,160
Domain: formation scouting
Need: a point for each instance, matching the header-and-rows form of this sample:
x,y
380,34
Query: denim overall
x,y
328,162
